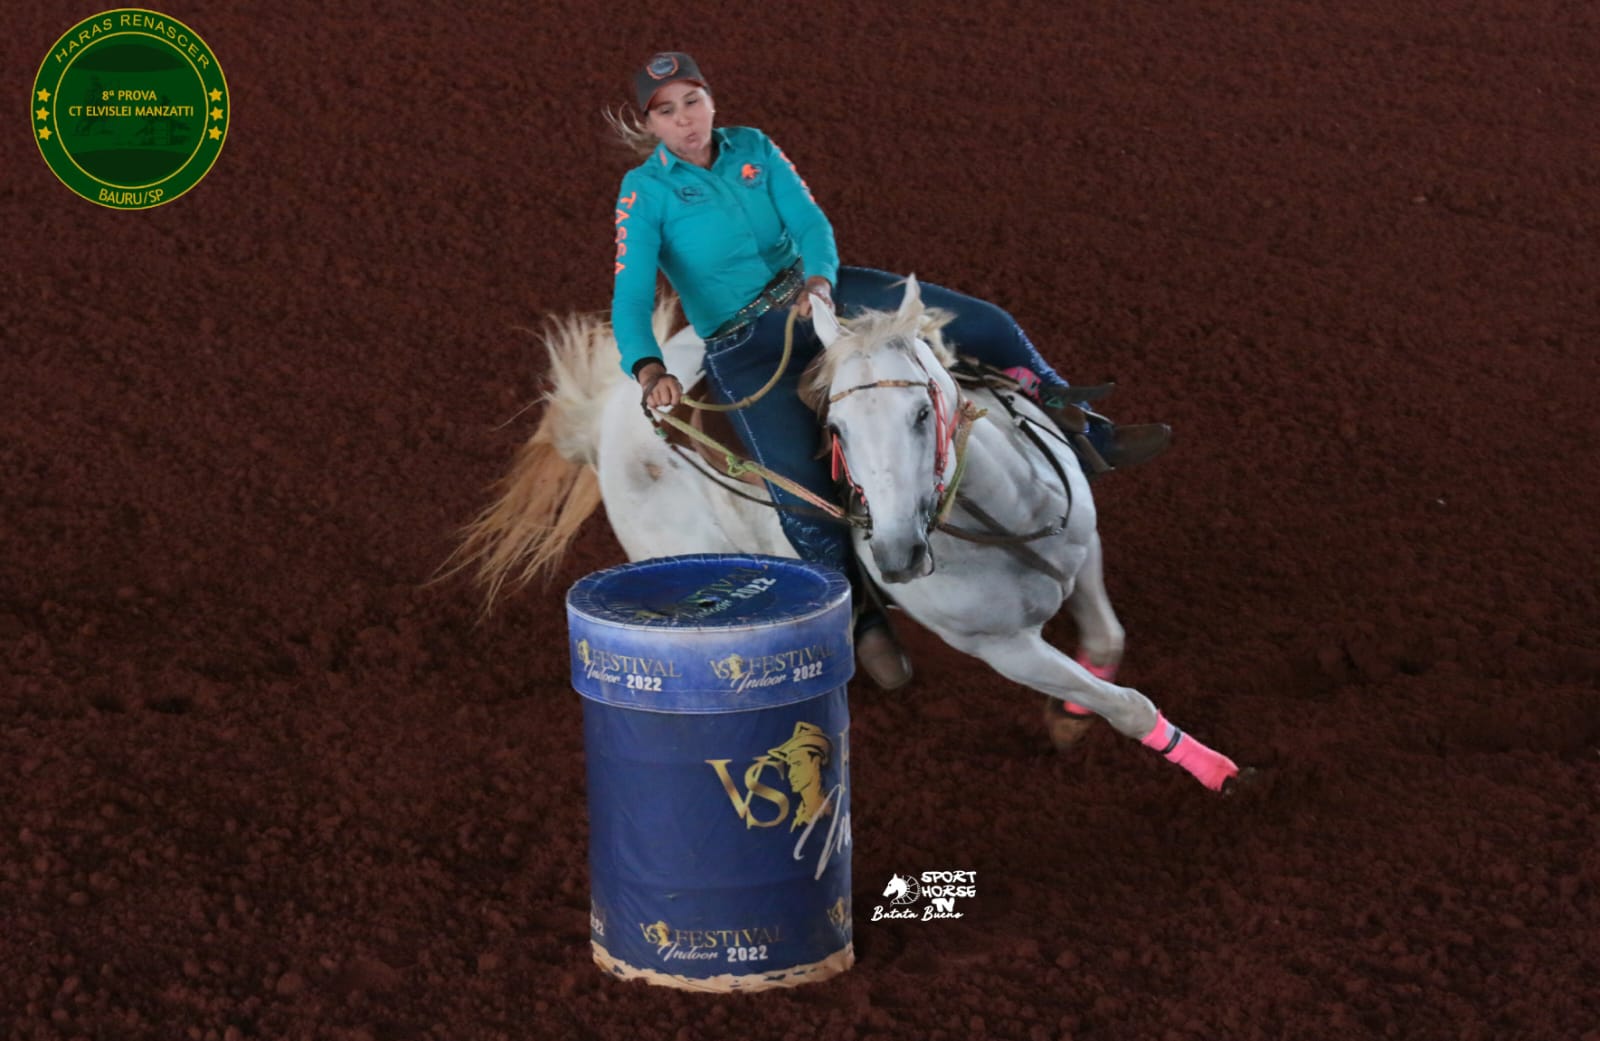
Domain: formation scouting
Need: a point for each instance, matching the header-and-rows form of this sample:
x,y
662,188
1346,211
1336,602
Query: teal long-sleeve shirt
x,y
720,235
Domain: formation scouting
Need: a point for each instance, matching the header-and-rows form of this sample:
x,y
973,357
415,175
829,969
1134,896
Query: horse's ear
x,y
824,322
911,303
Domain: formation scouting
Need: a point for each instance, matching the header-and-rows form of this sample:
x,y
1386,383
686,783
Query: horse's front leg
x,y
1024,657
1100,643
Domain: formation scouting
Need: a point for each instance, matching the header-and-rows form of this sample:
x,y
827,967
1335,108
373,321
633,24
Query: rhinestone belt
x,y
780,291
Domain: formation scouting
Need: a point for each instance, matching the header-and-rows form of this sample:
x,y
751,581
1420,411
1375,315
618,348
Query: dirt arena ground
x,y
257,782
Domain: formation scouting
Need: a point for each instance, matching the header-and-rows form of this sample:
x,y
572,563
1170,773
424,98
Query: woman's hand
x,y
815,284
661,388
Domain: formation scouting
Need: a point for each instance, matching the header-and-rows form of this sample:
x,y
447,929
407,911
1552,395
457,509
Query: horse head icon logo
x,y
902,889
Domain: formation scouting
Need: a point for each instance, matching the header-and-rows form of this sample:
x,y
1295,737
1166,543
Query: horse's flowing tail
x,y
552,487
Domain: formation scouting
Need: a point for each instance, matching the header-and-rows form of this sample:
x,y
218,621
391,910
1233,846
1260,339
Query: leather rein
x,y
953,431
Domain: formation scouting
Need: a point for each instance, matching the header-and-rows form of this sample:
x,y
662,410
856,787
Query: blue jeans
x,y
980,329
781,432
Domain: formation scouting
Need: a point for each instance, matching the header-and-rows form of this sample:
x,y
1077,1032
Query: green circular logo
x,y
130,108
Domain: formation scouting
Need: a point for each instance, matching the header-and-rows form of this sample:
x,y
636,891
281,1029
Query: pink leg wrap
x,y
1210,767
1104,672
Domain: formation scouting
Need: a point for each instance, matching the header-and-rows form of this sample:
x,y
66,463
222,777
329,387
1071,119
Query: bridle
x,y
952,427
952,430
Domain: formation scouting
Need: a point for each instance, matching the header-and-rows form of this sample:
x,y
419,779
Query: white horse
x,y
888,399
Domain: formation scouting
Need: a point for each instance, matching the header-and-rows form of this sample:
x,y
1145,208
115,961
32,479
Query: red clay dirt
x,y
258,781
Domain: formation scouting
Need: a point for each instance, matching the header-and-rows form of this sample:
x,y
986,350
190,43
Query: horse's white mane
x,y
873,330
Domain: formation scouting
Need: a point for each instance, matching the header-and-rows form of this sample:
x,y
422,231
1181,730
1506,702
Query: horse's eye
x,y
922,415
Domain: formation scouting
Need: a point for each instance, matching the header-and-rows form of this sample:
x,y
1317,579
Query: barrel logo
x,y
733,945
755,671
800,760
716,597
732,669
630,670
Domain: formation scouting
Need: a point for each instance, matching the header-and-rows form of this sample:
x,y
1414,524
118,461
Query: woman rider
x,y
725,215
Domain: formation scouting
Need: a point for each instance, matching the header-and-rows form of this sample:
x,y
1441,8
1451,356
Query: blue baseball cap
x,y
662,69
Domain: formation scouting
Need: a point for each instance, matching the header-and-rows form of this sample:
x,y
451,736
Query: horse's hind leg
x,y
1100,642
1026,658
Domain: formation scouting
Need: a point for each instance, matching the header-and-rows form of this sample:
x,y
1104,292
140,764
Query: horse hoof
x,y
1245,780
1065,729
879,655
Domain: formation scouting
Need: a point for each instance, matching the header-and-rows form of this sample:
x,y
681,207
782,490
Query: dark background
x,y
257,781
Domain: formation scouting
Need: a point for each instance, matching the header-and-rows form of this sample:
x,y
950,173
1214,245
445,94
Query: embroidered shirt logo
x,y
750,172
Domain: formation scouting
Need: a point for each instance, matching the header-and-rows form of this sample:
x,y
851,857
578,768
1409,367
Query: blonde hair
x,y
630,131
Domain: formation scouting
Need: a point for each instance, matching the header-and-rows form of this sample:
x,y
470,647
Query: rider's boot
x,y
1101,444
878,652
1110,447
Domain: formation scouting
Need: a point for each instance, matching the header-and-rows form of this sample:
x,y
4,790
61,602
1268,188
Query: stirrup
x,y
1090,456
1146,441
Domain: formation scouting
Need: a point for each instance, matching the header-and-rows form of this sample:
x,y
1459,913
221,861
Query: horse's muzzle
x,y
916,562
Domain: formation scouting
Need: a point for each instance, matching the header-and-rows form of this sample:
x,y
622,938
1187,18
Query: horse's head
x,y
891,411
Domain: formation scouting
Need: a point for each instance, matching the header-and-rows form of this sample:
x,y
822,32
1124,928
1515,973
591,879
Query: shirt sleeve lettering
x,y
633,289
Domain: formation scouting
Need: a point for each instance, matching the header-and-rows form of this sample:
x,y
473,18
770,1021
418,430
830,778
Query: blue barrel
x,y
716,732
